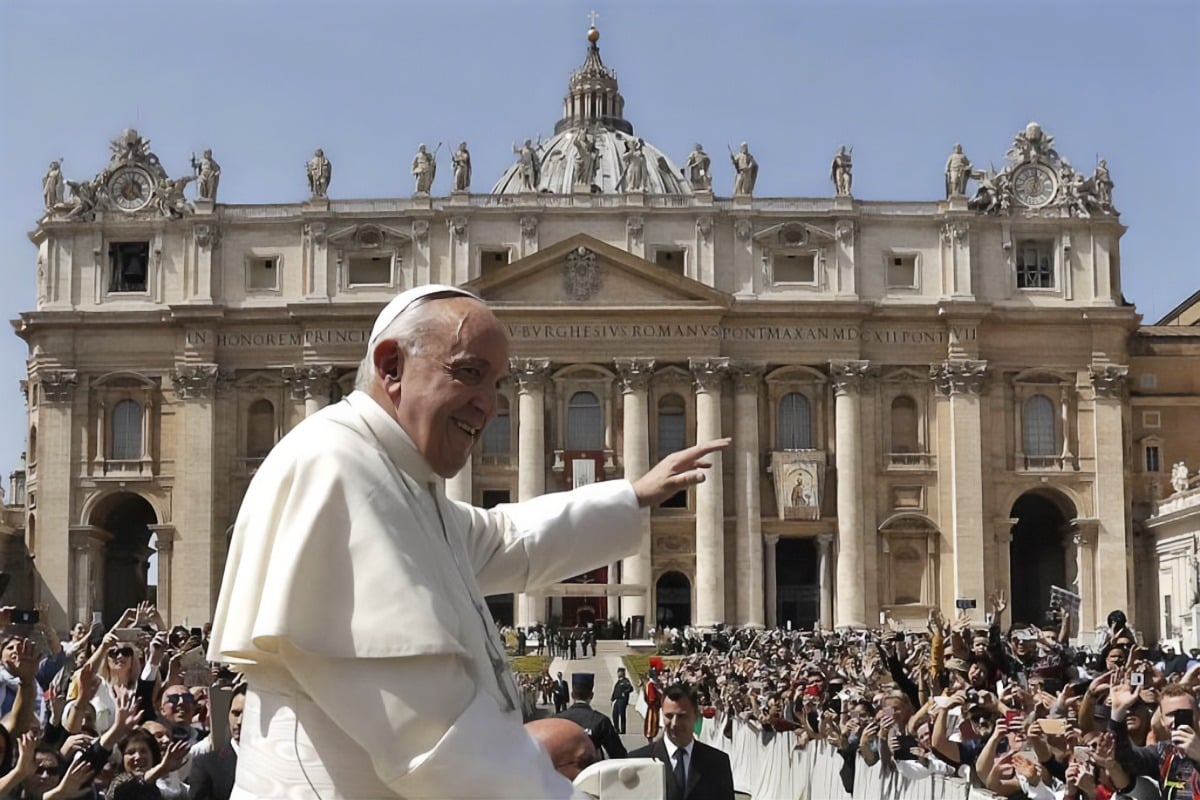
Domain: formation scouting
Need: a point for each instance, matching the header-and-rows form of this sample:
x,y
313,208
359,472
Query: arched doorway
x,y
128,518
1037,554
673,597
797,583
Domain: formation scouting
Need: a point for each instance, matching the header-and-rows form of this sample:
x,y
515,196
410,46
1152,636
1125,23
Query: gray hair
x,y
411,330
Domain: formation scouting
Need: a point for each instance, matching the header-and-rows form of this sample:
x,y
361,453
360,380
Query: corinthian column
x,y
848,378
530,376
710,501
634,381
749,591
1112,507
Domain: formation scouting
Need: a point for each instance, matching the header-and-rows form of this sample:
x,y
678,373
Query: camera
x,y
1182,717
964,603
25,616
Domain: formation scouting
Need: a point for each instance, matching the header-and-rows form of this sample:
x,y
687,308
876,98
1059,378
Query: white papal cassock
x,y
353,601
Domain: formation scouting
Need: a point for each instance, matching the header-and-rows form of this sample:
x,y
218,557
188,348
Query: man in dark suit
x,y
212,773
561,693
598,726
695,770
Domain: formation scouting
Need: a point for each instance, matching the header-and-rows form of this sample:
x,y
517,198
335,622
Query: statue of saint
x,y
634,179
587,159
52,186
319,171
208,176
530,166
958,171
747,170
461,161
841,172
1179,477
1102,185
698,164
424,170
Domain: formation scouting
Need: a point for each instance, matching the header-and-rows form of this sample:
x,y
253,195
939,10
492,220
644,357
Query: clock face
x,y
130,188
1034,185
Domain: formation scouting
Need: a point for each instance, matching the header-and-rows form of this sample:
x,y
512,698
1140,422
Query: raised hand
x,y
78,775
676,472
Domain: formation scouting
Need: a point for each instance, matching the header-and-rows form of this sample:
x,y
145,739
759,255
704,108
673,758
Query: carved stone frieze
x,y
849,377
458,227
1109,380
582,275
955,233
309,382
635,373
633,226
704,227
315,231
743,228
58,385
707,373
844,231
958,376
529,374
207,236
194,381
420,231
529,226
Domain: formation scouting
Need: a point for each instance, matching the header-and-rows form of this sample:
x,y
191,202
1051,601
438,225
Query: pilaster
x,y
747,380
708,375
1085,538
193,595
56,453
1109,385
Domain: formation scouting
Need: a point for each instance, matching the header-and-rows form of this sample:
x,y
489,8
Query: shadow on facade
x,y
1038,553
127,519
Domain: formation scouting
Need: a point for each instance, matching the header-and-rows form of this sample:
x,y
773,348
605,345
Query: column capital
x,y
164,536
825,541
1109,381
747,375
771,539
1085,531
58,385
707,373
194,381
958,376
309,381
849,376
635,373
529,374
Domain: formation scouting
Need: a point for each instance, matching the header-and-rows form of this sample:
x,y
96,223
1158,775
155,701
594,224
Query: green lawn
x,y
529,665
638,665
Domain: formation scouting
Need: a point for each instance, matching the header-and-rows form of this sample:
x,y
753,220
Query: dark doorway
x,y
673,596
127,518
500,606
1037,558
797,583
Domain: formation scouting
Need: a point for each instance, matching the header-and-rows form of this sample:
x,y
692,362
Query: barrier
x,y
767,766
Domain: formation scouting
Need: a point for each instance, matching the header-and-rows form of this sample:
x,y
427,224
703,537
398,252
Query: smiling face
x,y
446,394
137,757
9,655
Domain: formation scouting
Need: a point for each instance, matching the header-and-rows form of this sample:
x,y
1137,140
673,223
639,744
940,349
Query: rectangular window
x,y
1153,462
794,268
1148,380
369,271
1035,265
491,259
672,258
1151,419
129,266
902,272
490,498
1168,617
263,273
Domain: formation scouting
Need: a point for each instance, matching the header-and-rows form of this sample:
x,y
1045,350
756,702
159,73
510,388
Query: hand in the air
x,y
676,472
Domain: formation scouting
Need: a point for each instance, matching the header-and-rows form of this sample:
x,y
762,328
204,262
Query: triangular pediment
x,y
585,271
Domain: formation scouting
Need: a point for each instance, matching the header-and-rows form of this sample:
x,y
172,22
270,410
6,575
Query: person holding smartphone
x,y
1173,762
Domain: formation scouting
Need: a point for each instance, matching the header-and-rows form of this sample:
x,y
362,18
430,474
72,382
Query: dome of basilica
x,y
593,149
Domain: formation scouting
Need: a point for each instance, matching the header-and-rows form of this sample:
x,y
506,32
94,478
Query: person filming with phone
x,y
1173,762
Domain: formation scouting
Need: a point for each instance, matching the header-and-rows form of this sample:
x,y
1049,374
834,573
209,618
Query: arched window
x,y
904,425
497,436
672,425
32,456
127,431
260,429
794,426
585,422
1037,427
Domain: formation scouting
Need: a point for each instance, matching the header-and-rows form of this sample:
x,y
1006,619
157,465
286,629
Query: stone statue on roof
x,y
1179,477
958,172
530,165
461,162
587,159
634,179
52,186
424,169
841,172
746,168
698,168
208,175
319,171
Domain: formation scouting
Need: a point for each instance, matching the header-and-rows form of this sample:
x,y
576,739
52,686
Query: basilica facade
x,y
928,401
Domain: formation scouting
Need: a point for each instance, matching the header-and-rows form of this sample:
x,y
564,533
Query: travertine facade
x,y
928,400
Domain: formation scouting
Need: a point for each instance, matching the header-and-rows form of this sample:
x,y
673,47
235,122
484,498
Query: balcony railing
x,y
910,460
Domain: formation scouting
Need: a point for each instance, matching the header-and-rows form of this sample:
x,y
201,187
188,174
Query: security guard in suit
x,y
598,726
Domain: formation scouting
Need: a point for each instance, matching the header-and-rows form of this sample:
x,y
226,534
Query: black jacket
x,y
598,726
709,775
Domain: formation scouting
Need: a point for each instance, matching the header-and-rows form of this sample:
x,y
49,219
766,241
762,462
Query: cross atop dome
x,y
593,97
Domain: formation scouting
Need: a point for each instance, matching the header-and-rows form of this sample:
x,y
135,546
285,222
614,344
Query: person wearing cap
x,y
353,595
621,692
596,725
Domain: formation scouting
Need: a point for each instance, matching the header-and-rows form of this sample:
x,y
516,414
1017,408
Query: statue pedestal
x,y
635,198
843,202
204,206
743,201
703,197
956,202
460,197
315,205
422,200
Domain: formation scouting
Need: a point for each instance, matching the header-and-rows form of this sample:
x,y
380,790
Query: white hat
x,y
402,301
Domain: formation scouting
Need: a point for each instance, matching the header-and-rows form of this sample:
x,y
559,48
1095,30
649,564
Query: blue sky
x,y
264,82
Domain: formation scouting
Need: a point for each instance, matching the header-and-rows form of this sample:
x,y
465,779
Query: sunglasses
x,y
47,770
180,697
121,652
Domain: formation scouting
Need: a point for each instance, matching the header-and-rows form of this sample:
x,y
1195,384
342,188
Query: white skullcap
x,y
402,301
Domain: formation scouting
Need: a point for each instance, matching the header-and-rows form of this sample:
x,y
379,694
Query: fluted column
x,y
747,378
636,569
772,588
1112,505
962,380
825,577
530,375
710,502
848,378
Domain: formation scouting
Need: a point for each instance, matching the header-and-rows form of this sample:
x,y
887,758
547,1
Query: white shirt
x,y
672,749
353,601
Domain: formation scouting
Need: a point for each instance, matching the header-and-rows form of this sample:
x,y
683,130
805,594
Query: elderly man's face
x,y
447,395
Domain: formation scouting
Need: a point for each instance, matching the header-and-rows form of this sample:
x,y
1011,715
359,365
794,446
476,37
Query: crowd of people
x,y
1017,710
131,713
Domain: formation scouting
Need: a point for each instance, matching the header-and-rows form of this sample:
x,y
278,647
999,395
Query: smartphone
x,y
1011,717
97,617
964,603
25,616
197,632
988,618
883,618
1182,717
1081,754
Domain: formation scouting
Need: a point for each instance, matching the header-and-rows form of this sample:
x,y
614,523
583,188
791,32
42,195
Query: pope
x,y
353,596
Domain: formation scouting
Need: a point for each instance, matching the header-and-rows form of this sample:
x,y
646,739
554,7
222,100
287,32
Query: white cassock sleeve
x,y
428,731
